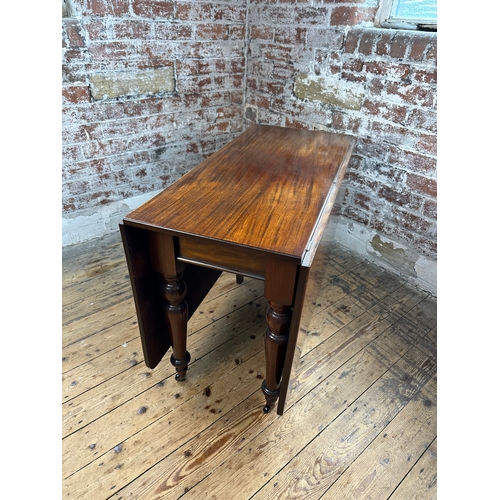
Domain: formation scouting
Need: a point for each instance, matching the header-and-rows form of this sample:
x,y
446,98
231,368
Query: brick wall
x,y
150,88
324,66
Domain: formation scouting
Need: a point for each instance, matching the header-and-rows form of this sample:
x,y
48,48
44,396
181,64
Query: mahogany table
x,y
257,208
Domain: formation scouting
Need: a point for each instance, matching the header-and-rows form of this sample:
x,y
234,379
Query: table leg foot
x,y
180,366
271,397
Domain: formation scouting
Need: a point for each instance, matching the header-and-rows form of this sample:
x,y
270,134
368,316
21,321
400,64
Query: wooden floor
x,y
360,421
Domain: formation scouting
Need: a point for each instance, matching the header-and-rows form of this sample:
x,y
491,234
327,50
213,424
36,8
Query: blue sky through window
x,y
414,9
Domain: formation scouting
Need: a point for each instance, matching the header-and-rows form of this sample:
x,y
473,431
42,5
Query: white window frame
x,y
67,8
383,19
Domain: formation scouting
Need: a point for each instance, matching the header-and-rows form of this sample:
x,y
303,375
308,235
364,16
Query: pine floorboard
x,y
360,420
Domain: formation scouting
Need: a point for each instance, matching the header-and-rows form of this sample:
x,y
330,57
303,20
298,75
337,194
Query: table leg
x,y
176,314
278,325
173,290
279,290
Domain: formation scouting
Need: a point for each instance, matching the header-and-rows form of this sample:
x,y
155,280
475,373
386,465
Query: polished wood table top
x,y
267,190
258,208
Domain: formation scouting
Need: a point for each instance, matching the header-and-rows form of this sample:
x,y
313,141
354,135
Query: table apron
x,y
224,257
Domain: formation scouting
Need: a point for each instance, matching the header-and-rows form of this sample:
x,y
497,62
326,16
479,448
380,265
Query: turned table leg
x,y
279,290
278,325
173,290
176,314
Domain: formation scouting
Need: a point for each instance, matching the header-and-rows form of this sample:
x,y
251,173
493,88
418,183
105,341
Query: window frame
x,y
67,9
383,19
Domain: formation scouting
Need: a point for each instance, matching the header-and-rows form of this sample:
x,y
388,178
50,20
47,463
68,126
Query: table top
x,y
268,189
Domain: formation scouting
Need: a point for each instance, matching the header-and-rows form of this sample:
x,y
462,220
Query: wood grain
x,y
364,393
250,192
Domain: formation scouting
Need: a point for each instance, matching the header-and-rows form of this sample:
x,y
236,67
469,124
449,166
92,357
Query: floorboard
x,y
360,420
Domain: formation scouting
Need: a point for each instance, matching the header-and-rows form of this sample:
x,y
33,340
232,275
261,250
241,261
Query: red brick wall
x,y
390,189
114,149
234,63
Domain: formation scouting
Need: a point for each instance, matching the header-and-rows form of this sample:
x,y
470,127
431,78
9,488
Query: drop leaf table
x,y
257,207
